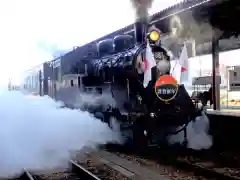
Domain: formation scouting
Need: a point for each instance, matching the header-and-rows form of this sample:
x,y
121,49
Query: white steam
x,y
141,7
197,134
73,97
36,134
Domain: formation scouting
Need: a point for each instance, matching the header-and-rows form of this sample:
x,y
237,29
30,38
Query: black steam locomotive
x,y
144,115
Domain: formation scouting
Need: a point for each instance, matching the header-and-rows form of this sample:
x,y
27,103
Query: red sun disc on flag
x,y
183,69
145,64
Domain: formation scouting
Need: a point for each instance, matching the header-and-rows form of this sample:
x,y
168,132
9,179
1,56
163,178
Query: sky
x,y
33,30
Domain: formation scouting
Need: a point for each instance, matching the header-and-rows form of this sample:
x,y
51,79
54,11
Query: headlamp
x,y
154,35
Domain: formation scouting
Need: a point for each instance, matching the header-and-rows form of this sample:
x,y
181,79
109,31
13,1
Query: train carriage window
x,y
90,54
235,74
89,90
59,74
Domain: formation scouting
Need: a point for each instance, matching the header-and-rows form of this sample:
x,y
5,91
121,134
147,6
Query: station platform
x,y
224,112
224,126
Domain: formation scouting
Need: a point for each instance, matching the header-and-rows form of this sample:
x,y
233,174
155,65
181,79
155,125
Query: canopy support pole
x,y
215,72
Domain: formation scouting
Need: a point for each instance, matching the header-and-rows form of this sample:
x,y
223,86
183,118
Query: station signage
x,y
166,88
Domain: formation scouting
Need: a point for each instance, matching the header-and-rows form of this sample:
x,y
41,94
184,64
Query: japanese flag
x,y
179,68
149,64
183,61
176,70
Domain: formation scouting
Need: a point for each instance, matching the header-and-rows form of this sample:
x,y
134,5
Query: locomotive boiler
x,y
144,113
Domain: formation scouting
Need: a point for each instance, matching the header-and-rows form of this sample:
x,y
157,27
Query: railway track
x,y
208,169
159,165
210,164
122,169
75,172
101,166
204,166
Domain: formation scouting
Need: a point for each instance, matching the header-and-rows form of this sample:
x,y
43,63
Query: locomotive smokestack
x,y
140,30
141,7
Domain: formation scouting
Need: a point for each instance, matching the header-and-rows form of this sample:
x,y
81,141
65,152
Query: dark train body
x,y
115,69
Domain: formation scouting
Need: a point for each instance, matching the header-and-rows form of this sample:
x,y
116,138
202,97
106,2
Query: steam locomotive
x,y
144,115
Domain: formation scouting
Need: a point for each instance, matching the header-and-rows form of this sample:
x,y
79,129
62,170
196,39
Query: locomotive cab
x,y
69,92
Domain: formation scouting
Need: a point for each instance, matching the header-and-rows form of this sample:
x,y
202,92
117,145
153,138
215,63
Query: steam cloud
x,y
38,135
141,7
197,134
72,97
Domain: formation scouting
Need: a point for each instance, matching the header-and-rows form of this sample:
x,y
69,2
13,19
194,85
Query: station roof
x,y
200,18
217,17
222,16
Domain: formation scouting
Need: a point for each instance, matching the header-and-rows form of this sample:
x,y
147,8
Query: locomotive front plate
x,y
166,88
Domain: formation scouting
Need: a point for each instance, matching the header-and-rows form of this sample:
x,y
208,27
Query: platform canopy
x,y
205,19
199,17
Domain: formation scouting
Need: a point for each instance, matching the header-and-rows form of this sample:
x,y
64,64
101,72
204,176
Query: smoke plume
x,y
141,7
197,134
186,27
38,135
72,97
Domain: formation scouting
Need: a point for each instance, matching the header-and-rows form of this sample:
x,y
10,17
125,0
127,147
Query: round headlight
x,y
154,35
